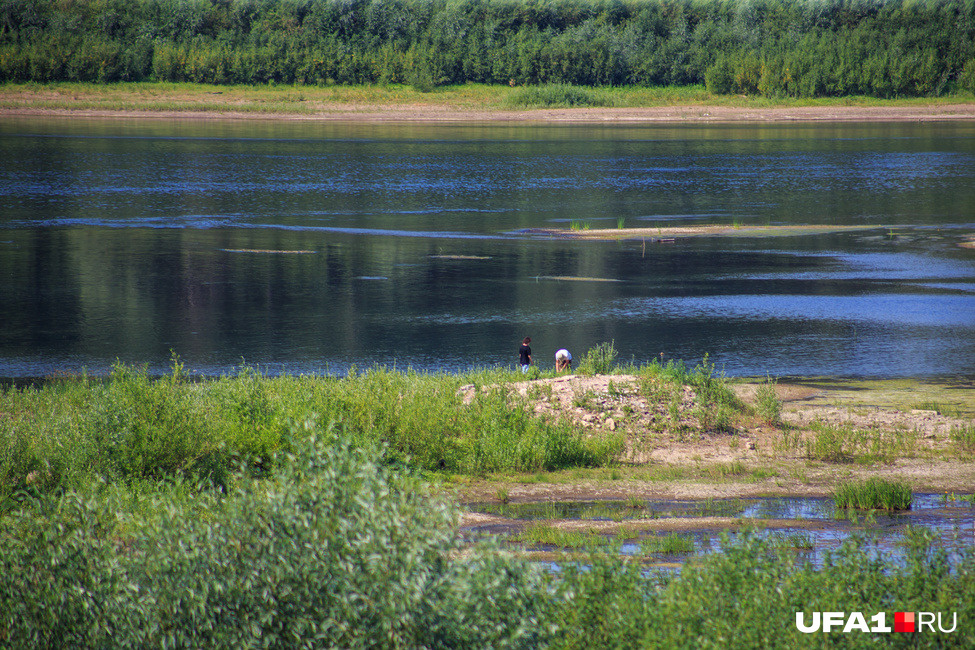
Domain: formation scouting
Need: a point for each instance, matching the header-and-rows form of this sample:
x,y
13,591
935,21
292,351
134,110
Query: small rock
x,y
611,424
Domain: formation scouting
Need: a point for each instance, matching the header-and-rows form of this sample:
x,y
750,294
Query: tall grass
x,y
964,438
874,493
768,405
132,426
670,543
545,535
599,360
846,444
558,95
716,405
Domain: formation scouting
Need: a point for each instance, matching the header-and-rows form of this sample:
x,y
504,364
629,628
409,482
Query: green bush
x,y
557,95
768,405
335,549
599,360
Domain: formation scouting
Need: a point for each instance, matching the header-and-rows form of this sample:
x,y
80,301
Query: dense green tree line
x,y
800,48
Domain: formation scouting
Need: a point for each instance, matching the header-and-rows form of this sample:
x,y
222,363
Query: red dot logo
x,y
903,621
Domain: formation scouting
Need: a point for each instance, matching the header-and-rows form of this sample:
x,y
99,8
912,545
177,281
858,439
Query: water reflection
x,y
117,240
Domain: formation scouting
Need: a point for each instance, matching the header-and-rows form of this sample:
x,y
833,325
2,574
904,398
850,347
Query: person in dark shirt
x,y
525,354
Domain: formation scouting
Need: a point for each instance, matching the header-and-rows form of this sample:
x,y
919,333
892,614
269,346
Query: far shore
x,y
455,104
446,114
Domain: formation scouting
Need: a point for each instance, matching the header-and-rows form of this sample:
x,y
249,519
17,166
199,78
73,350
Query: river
x,y
309,247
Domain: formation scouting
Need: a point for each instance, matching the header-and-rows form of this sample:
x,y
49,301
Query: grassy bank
x,y
311,100
134,427
264,511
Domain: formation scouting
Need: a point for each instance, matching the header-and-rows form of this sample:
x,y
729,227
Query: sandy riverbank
x,y
888,429
422,113
453,104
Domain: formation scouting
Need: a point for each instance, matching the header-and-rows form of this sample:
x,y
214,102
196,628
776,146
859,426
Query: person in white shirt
x,y
563,360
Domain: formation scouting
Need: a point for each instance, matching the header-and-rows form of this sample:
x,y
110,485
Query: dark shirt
x,y
525,352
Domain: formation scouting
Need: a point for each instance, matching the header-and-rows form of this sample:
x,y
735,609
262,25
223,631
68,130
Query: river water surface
x,y
306,247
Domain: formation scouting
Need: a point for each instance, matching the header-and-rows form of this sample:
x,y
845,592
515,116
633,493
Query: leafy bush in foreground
x,y
338,549
333,550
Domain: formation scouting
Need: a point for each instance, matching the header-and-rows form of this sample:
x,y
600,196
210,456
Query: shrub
x,y
599,360
557,95
768,405
336,549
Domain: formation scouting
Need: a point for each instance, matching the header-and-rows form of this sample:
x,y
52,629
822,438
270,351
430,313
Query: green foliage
x,y
670,543
747,593
964,438
556,96
599,360
874,493
768,405
556,50
846,444
134,427
335,549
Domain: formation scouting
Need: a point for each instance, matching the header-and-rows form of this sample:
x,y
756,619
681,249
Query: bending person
x,y
563,360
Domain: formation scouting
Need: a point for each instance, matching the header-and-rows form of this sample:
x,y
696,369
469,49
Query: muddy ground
x,y
900,429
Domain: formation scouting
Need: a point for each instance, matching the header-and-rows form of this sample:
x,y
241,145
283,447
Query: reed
x,y
599,360
671,543
963,438
874,494
545,535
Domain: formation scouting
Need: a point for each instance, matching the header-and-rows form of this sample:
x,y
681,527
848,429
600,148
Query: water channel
x,y
812,527
306,247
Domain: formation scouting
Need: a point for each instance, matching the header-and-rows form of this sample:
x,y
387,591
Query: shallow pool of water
x,y
811,526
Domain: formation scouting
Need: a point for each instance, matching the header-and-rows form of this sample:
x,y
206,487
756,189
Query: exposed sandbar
x,y
713,230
